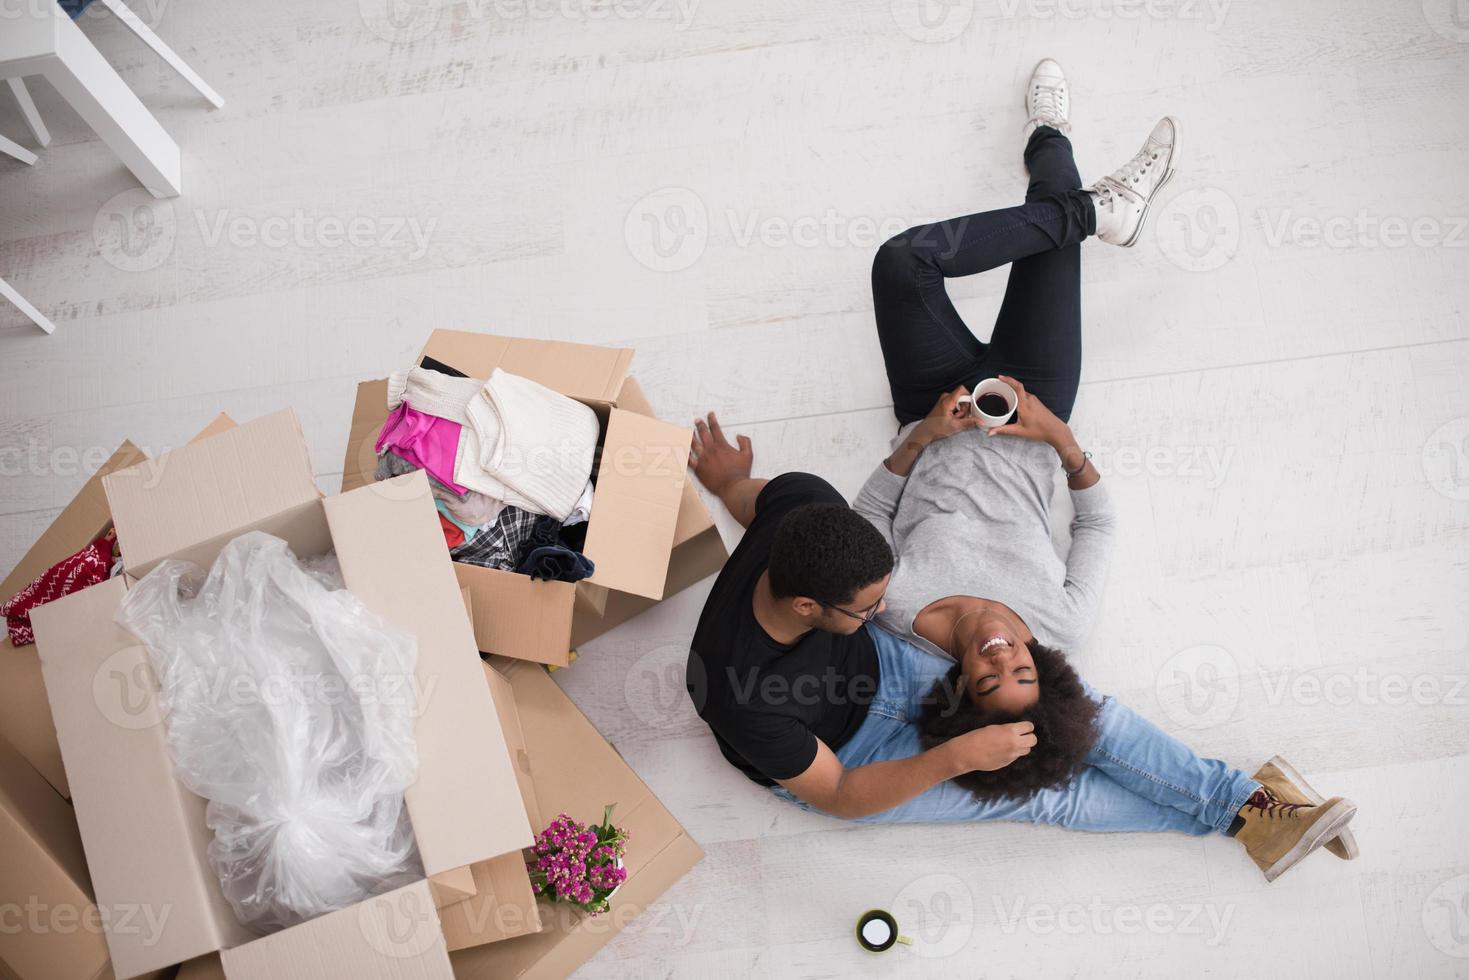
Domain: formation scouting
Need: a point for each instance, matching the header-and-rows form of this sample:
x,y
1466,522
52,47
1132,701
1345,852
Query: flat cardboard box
x,y
25,716
54,933
504,904
144,835
649,534
575,770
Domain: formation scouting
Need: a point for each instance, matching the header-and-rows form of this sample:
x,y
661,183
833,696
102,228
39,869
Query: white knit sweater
x,y
521,442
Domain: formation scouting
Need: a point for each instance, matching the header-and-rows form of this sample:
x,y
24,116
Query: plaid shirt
x,y
500,544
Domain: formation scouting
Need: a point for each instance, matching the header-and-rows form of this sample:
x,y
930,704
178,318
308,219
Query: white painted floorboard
x,y
1282,414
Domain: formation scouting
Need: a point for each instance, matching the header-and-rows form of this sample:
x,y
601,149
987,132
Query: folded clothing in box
x,y
509,438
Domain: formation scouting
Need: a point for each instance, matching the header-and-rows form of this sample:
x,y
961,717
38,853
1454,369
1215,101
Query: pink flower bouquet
x,y
579,865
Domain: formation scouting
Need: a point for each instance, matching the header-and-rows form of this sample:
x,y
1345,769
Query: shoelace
x,y
1140,166
1271,805
1048,105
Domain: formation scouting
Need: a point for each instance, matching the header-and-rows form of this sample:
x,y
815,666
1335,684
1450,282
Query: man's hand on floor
x,y
725,469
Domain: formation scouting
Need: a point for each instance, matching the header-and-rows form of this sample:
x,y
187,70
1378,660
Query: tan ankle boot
x,y
1282,779
1278,834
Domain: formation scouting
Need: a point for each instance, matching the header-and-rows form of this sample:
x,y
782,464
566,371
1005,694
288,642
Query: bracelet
x,y
1077,472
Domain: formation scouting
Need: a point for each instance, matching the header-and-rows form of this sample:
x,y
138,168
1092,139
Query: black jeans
x,y
1037,337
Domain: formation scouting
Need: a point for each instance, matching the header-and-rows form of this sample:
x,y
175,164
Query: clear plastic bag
x,y
289,706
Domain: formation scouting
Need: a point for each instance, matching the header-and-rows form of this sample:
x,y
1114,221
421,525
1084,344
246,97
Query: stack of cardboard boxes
x,y
502,750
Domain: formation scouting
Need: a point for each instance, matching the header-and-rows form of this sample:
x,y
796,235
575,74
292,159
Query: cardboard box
x,y
25,716
53,930
649,534
44,872
504,904
144,835
574,770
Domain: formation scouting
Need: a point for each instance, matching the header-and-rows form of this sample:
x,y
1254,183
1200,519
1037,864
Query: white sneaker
x,y
1047,99
1122,198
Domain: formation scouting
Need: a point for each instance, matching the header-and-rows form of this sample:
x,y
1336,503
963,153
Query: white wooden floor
x,y
1276,386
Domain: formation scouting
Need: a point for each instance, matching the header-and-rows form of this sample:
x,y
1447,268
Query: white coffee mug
x,y
998,388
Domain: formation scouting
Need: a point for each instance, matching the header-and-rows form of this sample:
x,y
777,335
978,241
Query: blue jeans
x,y
1137,777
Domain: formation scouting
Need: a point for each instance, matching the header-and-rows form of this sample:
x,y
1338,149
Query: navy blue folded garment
x,y
545,558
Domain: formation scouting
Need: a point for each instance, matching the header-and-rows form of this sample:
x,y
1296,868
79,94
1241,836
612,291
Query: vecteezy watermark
x,y
303,230
663,684
932,21
135,232
1209,13
148,11
406,21
1199,687
1446,917
1449,19
937,912
1199,230
1099,917
35,916
667,230
401,923
1362,230
35,458
1207,463
1364,686
1446,459
125,689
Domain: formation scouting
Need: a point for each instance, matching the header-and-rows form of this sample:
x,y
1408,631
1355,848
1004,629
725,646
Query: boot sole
x,y
1142,222
1325,828
1347,839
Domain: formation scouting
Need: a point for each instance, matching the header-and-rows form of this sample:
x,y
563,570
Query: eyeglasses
x,y
864,616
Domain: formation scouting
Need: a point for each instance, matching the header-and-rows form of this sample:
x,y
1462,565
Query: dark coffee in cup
x,y
993,405
877,931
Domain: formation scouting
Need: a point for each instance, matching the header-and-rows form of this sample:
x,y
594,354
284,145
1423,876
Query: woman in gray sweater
x,y
978,590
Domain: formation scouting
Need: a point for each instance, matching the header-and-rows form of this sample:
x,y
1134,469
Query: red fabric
x,y
87,567
453,533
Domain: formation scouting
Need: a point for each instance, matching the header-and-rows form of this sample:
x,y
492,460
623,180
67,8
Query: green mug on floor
x,y
877,932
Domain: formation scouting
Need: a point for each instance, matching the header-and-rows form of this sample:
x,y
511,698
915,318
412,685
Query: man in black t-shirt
x,y
782,666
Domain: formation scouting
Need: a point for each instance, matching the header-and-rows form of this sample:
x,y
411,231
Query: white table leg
x,y
102,98
153,41
13,149
8,291
28,111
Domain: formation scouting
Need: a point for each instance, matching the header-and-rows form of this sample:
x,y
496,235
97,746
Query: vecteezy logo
x,y
134,231
658,685
1448,18
400,21
1446,459
667,230
401,923
937,911
1446,917
1199,230
932,21
1199,687
125,690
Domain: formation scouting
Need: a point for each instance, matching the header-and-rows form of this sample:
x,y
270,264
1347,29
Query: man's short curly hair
x,y
1065,720
826,552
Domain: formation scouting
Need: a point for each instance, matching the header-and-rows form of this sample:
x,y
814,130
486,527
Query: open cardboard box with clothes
x,y
145,835
649,534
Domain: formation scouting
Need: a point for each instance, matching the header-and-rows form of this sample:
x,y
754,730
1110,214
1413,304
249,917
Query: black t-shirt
x,y
767,702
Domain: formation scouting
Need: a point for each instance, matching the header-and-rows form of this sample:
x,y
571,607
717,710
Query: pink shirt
x,y
426,441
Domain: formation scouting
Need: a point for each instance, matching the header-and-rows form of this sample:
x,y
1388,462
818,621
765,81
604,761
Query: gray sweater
x,y
973,518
